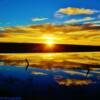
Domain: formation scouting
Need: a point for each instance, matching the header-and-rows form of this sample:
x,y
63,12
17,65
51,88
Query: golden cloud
x,y
39,19
74,11
86,34
79,20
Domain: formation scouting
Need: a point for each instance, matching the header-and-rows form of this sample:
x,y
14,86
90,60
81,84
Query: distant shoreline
x,y
44,48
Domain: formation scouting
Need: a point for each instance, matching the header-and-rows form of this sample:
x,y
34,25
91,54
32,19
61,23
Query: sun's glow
x,y
49,40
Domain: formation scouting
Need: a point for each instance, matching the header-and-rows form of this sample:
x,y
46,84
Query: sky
x,y
20,21
26,15
29,12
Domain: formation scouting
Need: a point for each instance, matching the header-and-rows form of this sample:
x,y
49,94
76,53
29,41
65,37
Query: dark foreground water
x,y
54,84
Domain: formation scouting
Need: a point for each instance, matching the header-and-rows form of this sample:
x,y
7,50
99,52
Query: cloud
x,y
39,19
79,20
98,16
5,35
96,22
2,29
96,72
58,15
74,11
63,34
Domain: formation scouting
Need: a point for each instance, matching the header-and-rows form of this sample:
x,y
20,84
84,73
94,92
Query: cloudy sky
x,y
28,12
27,15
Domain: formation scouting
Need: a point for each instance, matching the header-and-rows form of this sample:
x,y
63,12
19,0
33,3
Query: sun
x,y
49,40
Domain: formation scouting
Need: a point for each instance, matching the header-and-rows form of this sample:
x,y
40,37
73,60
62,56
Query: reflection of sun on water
x,y
49,55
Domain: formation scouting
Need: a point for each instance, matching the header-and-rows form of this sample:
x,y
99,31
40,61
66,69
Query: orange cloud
x,y
74,11
61,34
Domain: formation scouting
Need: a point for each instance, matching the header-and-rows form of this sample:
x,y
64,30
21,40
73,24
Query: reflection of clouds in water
x,y
74,82
1,63
98,77
49,56
58,77
76,73
96,72
79,57
14,63
53,60
39,73
93,71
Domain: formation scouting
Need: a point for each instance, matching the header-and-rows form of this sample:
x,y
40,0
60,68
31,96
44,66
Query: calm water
x,y
50,76
92,58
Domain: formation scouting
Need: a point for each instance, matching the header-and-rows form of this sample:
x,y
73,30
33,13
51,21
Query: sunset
x,y
49,49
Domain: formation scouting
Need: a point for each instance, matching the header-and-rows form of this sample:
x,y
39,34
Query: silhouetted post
x,y
27,64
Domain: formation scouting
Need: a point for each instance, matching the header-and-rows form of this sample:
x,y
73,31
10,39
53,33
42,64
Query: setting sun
x,y
49,40
50,43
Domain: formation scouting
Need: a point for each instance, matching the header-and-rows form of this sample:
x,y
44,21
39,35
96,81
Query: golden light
x,y
49,40
49,56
